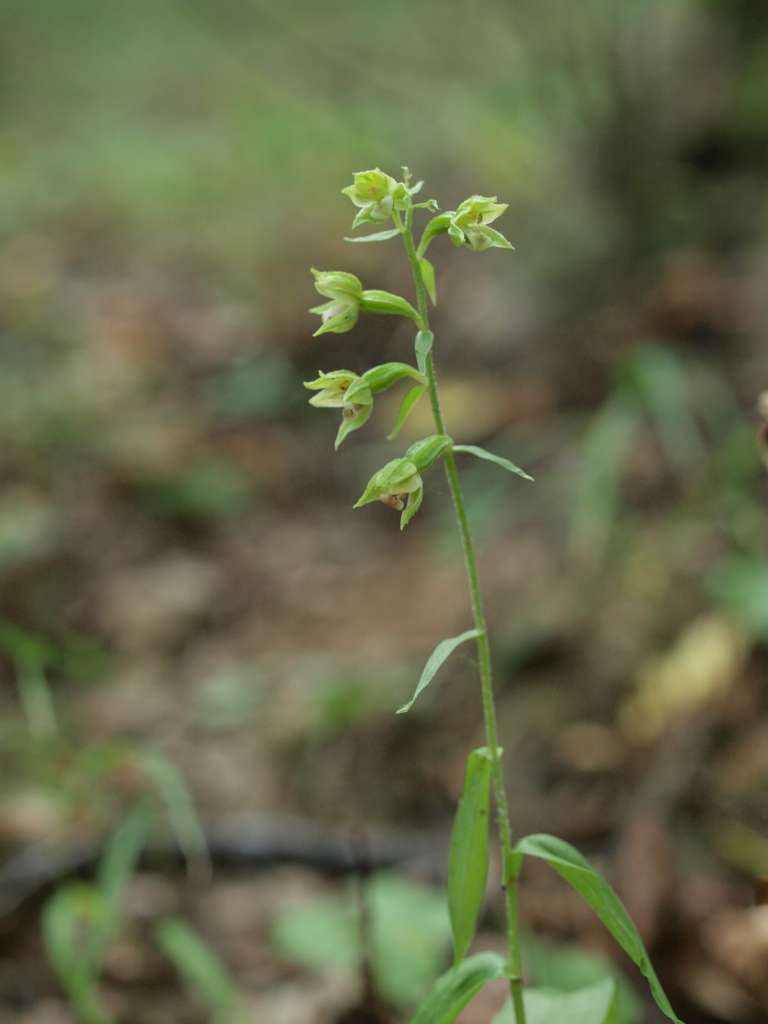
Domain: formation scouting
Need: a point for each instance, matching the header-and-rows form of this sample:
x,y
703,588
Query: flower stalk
x,y
510,861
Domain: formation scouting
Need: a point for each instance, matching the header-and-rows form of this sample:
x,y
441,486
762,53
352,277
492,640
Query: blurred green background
x,y
182,570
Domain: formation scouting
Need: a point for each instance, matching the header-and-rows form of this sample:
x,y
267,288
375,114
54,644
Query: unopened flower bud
x,y
345,292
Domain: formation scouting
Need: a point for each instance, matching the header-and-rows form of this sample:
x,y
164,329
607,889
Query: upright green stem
x,y
510,861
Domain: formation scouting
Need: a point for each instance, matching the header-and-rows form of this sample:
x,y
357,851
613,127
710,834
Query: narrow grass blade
x,y
200,967
70,918
117,866
181,812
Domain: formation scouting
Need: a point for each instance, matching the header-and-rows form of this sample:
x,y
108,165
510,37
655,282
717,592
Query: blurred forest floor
x,y
182,568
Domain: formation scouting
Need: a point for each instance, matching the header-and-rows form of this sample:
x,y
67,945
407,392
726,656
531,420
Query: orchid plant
x,y
381,200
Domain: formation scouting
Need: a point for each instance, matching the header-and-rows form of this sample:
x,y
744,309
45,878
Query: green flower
x,y
345,292
469,224
335,391
399,486
375,194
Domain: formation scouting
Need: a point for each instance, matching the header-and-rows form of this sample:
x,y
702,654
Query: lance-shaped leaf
x,y
454,989
468,858
594,1004
441,653
423,346
600,896
428,277
377,236
182,816
376,301
408,403
481,453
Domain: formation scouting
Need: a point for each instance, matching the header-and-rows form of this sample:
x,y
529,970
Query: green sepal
x,y
375,301
468,857
412,506
351,420
364,217
423,346
428,277
341,322
358,393
495,239
331,387
408,403
426,451
379,378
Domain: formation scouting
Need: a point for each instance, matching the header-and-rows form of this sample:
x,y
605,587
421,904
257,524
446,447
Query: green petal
x,y
412,507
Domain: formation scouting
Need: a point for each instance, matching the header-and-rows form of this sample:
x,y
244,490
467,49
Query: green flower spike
x,y
375,194
399,486
342,389
469,224
345,292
